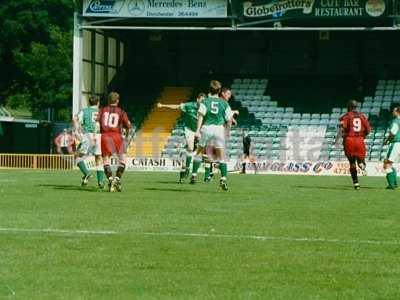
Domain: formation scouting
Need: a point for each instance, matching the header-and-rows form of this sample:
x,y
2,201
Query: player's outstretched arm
x,y
200,118
170,106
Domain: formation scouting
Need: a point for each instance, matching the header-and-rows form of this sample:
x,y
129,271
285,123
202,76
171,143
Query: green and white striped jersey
x,y
87,118
189,110
215,110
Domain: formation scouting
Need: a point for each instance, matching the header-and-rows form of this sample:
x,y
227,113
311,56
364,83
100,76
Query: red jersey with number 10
x,y
354,124
112,119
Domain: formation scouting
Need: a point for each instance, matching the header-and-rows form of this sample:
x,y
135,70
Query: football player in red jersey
x,y
354,127
112,121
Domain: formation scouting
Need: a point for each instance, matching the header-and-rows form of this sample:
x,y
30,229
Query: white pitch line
x,y
60,231
273,238
7,180
202,235
10,289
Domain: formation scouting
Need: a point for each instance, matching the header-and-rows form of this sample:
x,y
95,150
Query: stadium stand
x,y
138,96
281,133
158,124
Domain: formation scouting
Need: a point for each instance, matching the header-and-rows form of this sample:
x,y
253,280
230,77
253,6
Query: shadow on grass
x,y
70,187
182,190
335,188
166,182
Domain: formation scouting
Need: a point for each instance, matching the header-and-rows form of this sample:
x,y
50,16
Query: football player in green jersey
x,y
225,94
214,113
189,110
393,155
87,129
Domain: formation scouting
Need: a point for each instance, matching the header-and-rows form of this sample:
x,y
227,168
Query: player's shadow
x,y
176,190
334,188
70,187
166,182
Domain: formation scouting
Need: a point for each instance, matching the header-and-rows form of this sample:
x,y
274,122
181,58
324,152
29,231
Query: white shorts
x,y
90,144
212,135
189,136
393,154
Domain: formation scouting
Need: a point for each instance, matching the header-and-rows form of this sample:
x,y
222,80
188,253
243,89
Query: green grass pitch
x,y
268,237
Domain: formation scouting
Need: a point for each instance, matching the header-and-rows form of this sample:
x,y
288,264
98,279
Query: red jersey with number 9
x,y
354,124
112,119
354,127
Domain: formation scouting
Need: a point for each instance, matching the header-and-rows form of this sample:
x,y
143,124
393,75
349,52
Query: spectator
x,y
64,142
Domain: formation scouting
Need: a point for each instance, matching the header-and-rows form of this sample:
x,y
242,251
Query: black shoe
x,y
111,185
193,180
207,179
211,175
357,186
223,184
117,184
85,179
182,176
389,187
101,186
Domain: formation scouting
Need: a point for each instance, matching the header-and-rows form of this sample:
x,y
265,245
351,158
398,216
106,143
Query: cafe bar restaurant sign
x,y
315,8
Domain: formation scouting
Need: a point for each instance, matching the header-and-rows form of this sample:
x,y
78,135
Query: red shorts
x,y
111,143
354,147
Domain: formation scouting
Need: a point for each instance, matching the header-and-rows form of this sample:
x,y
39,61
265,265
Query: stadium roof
x,y
234,15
